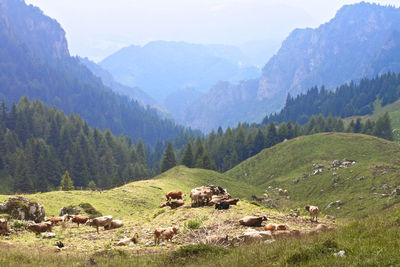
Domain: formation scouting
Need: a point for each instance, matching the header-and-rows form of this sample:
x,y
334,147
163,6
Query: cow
x,y
200,196
164,234
55,220
232,201
259,199
313,210
38,228
100,221
78,219
114,225
127,241
223,205
177,194
173,204
3,227
252,220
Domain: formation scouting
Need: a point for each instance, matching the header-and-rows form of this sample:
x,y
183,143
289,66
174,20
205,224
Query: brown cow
x,y
177,194
232,201
127,241
100,221
39,227
78,219
173,204
3,227
55,220
164,234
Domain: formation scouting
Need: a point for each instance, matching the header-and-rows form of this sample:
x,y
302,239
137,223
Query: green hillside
x,y
360,187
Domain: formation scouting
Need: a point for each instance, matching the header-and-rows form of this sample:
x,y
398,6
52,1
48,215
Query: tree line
x,y
347,100
223,150
38,144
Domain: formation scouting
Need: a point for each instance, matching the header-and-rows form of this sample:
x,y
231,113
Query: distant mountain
x,y
161,68
177,101
362,40
34,61
334,53
108,80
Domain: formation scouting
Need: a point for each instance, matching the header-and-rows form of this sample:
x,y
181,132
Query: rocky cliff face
x,y
332,54
359,41
44,35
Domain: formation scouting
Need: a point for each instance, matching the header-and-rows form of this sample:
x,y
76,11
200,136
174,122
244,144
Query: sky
x,y
98,28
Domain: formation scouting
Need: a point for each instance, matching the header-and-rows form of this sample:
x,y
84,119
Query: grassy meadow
x,y
367,217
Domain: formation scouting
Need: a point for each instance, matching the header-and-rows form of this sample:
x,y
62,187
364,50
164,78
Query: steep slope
x,y
160,68
108,80
35,62
334,53
361,188
360,41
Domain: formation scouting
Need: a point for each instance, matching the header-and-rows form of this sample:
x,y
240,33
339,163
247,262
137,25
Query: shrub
x,y
19,225
90,210
193,224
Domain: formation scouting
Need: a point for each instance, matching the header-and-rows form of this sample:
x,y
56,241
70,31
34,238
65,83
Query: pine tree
x,y
169,160
187,158
92,185
66,182
383,127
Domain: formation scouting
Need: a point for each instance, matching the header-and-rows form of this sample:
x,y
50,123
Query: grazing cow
x,y
223,205
127,241
78,219
282,227
55,220
114,225
173,204
252,220
164,234
285,192
3,227
259,199
177,194
313,210
100,221
280,191
39,227
232,201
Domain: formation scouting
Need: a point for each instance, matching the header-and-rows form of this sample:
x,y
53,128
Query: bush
x,y
19,225
193,224
90,210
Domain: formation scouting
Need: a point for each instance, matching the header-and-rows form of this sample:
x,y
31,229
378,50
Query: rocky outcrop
x,y
23,209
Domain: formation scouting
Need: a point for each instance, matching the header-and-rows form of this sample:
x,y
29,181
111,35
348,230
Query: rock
x,y
288,197
149,243
395,192
385,186
317,166
335,163
360,197
339,254
23,209
373,188
384,172
334,174
131,244
384,195
296,181
162,244
361,178
338,208
336,179
48,235
337,202
304,176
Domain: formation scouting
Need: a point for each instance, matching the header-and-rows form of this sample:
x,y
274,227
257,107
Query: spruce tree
x,y
169,160
66,182
187,158
383,127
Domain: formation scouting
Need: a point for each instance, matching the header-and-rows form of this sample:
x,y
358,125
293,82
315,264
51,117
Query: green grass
x,y
377,160
371,241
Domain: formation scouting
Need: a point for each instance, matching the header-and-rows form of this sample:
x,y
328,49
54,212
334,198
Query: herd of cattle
x,y
200,196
